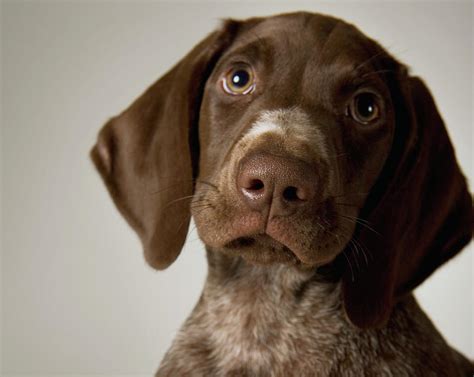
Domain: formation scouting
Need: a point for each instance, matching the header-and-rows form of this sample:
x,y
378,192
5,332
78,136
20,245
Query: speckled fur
x,y
279,321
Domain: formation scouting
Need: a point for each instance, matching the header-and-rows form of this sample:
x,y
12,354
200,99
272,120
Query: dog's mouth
x,y
260,249
241,242
257,240
306,239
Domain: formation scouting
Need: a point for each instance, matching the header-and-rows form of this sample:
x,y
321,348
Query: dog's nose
x,y
265,179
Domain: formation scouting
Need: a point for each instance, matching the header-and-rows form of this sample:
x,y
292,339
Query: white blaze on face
x,y
263,126
291,124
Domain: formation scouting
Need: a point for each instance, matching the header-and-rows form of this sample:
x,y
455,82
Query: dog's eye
x,y
365,107
239,81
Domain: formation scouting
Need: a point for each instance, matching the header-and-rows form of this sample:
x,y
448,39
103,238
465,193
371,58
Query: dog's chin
x,y
262,249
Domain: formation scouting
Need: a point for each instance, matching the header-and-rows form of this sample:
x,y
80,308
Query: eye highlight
x,y
239,81
365,107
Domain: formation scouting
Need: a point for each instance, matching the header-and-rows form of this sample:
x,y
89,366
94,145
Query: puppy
x,y
323,183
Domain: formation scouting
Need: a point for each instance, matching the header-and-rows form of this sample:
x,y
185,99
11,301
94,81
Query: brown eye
x,y
239,81
365,108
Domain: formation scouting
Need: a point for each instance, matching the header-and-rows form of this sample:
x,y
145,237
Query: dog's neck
x,y
270,291
288,281
254,312
281,320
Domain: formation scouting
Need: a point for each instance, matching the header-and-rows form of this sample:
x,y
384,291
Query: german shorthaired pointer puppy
x,y
323,183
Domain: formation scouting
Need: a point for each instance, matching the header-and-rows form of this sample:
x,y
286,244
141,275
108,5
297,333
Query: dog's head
x,y
293,139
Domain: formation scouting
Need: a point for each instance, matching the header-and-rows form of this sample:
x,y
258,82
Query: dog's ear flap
x,y
420,206
148,155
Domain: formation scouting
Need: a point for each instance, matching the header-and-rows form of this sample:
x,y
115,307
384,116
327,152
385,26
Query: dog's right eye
x,y
365,108
239,81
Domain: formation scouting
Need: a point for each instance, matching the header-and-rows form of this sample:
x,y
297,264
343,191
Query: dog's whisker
x,y
353,240
354,247
370,59
192,198
200,201
378,72
187,197
201,207
363,250
355,218
346,204
208,184
359,221
350,266
185,219
338,155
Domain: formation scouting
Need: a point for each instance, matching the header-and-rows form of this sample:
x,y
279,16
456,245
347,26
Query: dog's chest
x,y
258,328
253,333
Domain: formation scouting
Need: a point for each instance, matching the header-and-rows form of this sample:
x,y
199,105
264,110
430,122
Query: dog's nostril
x,y
290,194
255,185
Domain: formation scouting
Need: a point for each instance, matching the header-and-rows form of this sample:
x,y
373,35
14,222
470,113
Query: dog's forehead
x,y
295,26
304,34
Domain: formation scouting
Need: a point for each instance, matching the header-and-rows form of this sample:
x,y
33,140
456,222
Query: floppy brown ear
x,y
420,207
147,156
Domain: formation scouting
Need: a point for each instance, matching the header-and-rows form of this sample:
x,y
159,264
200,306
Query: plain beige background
x,y
77,297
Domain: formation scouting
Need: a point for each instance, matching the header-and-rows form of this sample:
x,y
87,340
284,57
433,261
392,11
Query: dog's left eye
x,y
365,107
239,81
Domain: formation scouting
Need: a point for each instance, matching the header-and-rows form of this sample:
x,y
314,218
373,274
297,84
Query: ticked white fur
x,y
292,123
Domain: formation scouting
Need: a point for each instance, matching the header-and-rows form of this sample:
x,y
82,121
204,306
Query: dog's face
x,y
293,133
293,139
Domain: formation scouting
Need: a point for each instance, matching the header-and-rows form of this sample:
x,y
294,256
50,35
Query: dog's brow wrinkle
x,y
328,38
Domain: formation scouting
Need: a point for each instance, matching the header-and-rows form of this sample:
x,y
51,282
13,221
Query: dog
x,y
324,186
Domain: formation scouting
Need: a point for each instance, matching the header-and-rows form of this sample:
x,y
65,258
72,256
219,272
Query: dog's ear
x,y
420,207
148,155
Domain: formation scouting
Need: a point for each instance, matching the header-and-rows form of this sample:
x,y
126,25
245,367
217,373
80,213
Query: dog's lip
x,y
249,231
262,239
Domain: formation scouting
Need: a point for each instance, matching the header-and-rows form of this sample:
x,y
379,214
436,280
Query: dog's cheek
x,y
365,154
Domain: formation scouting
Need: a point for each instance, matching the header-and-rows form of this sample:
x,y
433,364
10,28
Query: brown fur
x,y
274,321
320,286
